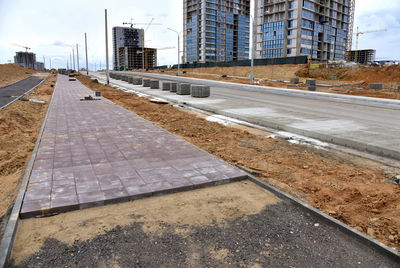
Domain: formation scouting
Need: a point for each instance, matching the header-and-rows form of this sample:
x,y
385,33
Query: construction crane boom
x,y
131,23
358,33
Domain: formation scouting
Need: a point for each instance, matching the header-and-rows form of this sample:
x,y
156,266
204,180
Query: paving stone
x,y
97,153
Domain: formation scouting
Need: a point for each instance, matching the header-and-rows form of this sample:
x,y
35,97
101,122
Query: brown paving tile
x,y
93,154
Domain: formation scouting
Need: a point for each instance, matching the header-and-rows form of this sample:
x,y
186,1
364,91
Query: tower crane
x,y
358,33
26,54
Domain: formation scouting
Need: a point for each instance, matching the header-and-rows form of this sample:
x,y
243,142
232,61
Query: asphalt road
x,y
365,124
11,92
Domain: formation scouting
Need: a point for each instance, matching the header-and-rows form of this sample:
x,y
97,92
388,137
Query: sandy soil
x,y
183,210
347,188
11,73
19,126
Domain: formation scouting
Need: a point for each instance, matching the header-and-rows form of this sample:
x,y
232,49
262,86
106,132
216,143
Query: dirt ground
x,y
19,126
224,202
356,80
11,73
348,188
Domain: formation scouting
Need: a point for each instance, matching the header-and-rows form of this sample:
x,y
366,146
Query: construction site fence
x,y
257,62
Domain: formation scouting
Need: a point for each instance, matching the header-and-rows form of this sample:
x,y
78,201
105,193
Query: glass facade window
x,y
308,4
308,15
307,24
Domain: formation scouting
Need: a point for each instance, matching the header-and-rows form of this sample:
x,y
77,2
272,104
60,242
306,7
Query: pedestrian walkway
x,y
95,152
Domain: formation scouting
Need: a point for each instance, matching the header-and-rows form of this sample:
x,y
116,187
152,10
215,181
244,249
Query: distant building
x,y
216,30
125,37
320,29
39,66
25,59
362,56
131,57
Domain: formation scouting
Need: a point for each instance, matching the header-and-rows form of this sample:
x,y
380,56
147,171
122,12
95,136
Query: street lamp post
x,y
87,66
252,52
178,33
107,71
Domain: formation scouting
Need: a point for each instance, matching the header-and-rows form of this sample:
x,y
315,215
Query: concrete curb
x,y
12,225
382,248
340,98
11,102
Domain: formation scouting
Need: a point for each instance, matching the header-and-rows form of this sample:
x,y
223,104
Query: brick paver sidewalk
x,y
95,152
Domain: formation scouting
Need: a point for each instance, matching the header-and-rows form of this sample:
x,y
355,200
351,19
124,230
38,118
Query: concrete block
x,y
146,82
183,89
166,86
398,88
312,88
136,81
125,78
332,78
376,86
154,84
200,91
310,82
294,80
130,80
173,87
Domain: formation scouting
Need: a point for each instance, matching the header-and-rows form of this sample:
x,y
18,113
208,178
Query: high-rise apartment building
x,y
125,37
216,30
320,29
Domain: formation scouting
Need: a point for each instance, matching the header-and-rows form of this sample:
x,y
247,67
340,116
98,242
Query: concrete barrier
x,y
146,82
183,89
376,86
294,80
310,82
166,86
173,87
154,84
200,91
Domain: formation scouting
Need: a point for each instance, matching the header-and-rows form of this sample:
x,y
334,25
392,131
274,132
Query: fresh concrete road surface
x,y
366,124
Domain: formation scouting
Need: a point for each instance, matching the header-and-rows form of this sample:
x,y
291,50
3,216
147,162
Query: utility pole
x,y
77,57
87,67
50,63
179,72
73,57
70,60
107,71
44,62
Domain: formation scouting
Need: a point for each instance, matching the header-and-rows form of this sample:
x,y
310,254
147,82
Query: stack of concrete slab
x,y
154,84
311,84
200,91
183,89
166,86
146,82
294,80
173,87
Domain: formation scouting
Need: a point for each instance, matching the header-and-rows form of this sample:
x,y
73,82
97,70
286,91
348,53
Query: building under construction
x,y
25,59
131,57
127,48
362,56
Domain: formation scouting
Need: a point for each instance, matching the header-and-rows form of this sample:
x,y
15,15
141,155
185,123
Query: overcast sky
x,y
49,27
